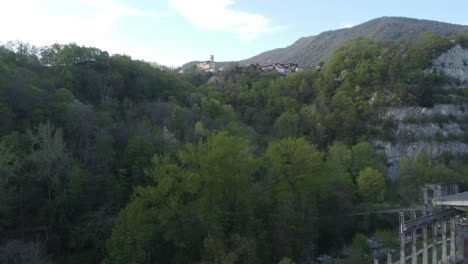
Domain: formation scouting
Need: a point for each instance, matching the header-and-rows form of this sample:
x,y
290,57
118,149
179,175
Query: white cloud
x,y
119,9
346,25
218,15
86,22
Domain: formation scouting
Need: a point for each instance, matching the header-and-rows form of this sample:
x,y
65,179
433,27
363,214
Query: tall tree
x,y
296,173
48,155
371,185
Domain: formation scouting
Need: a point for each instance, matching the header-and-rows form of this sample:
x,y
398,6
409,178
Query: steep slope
x,y
310,50
189,64
434,130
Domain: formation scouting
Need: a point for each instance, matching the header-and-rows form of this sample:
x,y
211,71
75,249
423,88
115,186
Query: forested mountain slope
x,y
108,159
308,51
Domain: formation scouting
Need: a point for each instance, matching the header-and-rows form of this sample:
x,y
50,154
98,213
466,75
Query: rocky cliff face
x,y
453,63
432,130
395,152
425,134
428,131
401,113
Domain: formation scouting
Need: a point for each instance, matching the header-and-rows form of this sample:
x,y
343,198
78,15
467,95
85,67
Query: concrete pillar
x,y
434,243
402,238
459,239
376,261
444,241
463,253
452,240
414,256
389,258
424,233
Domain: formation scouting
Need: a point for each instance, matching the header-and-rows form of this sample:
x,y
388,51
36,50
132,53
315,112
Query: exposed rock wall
x,y
453,63
400,113
426,133
428,130
400,149
434,149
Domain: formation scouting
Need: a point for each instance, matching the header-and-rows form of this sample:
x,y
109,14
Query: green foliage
x,y
408,181
339,159
198,200
360,244
213,107
286,260
362,157
371,185
421,169
388,238
138,152
462,38
248,168
134,235
238,250
360,250
287,125
7,194
297,173
7,157
200,129
295,165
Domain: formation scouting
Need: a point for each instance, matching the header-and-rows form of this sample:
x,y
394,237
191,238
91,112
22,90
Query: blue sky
x,y
173,32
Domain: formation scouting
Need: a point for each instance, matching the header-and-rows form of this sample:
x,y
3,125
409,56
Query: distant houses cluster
x,y
285,68
280,68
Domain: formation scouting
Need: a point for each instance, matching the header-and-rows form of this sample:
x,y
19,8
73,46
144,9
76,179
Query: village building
x,y
207,66
282,68
267,68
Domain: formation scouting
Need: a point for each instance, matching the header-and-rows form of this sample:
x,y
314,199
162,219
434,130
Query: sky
x,y
173,32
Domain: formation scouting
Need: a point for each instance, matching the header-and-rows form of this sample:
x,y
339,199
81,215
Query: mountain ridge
x,y
312,49
308,51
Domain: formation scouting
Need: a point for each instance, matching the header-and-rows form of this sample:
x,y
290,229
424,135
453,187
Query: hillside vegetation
x,y
108,159
308,51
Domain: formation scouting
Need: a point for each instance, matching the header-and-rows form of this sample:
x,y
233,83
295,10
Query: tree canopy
x,y
108,159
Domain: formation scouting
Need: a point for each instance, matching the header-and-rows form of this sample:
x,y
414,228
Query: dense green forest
x,y
105,159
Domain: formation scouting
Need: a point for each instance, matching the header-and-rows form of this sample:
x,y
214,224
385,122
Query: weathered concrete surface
x,y
459,199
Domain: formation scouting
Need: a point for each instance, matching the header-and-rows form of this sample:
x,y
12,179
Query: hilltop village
x,y
281,68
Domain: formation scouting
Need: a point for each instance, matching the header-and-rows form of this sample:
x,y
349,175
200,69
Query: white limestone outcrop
x,y
400,113
395,151
453,63
428,130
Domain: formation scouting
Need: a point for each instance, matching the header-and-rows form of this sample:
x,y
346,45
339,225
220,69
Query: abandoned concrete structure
x,y
430,191
437,223
443,219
